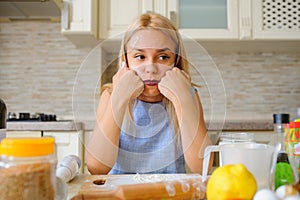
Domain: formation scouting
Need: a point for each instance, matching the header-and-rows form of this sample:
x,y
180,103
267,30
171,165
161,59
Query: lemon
x,y
231,182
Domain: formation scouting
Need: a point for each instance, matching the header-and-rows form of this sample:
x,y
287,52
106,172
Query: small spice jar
x,y
27,168
292,142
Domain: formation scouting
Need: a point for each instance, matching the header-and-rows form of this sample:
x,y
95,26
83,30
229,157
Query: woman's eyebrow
x,y
158,50
134,49
164,49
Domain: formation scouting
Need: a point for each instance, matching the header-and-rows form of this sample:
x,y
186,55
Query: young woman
x,y
150,119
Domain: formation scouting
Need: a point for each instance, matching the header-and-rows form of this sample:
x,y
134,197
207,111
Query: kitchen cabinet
x,y
236,19
67,143
208,20
116,15
205,19
276,19
79,21
15,134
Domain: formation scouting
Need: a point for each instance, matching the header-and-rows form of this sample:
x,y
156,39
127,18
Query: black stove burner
x,y
38,117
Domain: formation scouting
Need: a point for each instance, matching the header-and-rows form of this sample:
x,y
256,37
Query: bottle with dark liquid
x,y
2,119
283,169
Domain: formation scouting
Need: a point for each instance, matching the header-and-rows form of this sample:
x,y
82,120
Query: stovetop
x,y
37,117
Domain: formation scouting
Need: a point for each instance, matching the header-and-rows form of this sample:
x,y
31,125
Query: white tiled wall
x,y
39,68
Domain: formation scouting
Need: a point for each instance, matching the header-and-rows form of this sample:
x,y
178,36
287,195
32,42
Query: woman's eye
x,y
164,57
140,57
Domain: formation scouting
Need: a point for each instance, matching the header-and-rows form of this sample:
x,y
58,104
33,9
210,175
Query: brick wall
x,y
42,71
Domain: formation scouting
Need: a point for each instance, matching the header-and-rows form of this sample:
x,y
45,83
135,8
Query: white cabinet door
x,y
67,143
116,15
80,21
276,19
205,19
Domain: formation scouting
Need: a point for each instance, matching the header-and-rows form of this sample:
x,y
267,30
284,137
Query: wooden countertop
x,y
175,186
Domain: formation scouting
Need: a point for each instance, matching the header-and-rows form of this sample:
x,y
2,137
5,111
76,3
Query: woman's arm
x,y
176,86
102,150
194,135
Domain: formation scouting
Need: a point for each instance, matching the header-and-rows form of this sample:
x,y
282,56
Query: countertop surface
x,y
240,125
228,125
66,125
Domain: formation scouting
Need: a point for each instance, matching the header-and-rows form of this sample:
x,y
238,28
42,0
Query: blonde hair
x,y
161,23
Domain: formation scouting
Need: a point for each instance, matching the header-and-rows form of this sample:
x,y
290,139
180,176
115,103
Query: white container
x,y
256,157
230,137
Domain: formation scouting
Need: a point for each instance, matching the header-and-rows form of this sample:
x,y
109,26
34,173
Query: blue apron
x,y
151,145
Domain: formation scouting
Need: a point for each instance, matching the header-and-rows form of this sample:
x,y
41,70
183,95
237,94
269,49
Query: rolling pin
x,y
179,189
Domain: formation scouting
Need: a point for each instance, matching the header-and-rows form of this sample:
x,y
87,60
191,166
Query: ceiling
x,y
30,9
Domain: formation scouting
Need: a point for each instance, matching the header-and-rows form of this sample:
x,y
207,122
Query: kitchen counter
x,y
44,126
144,186
240,125
229,125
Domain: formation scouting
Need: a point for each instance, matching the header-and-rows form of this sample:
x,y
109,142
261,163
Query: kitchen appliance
x,y
37,117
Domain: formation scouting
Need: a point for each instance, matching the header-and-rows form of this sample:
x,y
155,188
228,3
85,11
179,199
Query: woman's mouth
x,y
151,82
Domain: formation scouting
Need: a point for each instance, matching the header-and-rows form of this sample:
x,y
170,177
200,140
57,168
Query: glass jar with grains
x,y
27,168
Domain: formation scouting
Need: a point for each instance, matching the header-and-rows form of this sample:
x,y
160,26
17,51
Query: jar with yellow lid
x,y
27,168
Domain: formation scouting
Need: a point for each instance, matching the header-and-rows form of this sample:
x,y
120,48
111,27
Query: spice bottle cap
x,y
25,147
282,157
281,118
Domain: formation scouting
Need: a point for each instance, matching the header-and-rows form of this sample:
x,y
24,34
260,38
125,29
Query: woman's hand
x,y
126,86
176,86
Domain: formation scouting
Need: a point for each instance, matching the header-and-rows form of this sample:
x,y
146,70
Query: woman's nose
x,y
151,68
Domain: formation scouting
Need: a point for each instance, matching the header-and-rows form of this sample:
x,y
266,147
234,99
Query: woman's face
x,y
151,53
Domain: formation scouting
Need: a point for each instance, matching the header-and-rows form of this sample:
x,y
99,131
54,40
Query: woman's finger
x,y
183,73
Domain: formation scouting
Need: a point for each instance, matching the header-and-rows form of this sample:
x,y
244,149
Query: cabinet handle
x,y
65,15
173,18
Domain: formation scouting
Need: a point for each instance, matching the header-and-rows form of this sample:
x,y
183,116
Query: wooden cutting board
x,y
156,186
